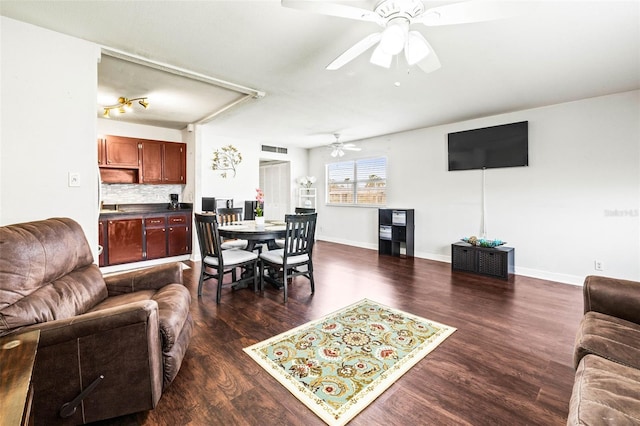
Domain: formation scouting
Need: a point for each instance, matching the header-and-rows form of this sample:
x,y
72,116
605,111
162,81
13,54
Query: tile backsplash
x,y
138,194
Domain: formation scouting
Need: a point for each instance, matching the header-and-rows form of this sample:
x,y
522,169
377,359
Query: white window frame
x,y
354,193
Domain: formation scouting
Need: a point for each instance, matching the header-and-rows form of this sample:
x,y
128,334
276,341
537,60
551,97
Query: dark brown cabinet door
x,y
125,240
101,159
179,239
156,243
156,237
101,241
174,163
121,152
152,162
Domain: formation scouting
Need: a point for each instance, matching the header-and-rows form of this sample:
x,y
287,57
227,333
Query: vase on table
x,y
259,221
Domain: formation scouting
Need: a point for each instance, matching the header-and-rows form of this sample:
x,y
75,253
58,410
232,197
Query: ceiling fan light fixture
x,y
380,58
416,48
394,36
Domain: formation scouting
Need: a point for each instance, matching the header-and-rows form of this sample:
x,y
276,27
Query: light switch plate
x,y
74,179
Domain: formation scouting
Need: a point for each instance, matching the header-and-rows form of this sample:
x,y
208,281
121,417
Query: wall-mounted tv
x,y
506,145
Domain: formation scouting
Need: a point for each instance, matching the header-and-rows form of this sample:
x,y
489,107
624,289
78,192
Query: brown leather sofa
x,y
606,390
131,329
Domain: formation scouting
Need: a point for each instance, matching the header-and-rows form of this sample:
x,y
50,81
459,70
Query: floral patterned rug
x,y
338,364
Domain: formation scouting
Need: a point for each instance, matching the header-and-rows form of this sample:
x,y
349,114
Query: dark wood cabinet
x,y
152,162
144,236
101,242
496,262
130,160
121,152
155,231
179,236
125,240
396,232
174,163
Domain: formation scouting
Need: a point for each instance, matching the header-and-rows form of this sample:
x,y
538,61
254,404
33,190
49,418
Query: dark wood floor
x,y
509,362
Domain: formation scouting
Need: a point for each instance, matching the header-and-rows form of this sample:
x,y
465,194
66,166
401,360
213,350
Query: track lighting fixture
x,y
124,105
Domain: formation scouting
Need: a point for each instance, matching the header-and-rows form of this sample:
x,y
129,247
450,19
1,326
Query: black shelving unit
x,y
496,262
396,231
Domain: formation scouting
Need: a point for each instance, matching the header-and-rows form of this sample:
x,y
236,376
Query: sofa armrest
x,y
611,296
153,278
121,344
54,332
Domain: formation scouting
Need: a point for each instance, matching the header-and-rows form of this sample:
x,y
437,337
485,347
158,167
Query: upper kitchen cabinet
x,y
121,152
163,162
131,160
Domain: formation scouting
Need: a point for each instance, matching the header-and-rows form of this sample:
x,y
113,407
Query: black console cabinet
x,y
496,262
395,229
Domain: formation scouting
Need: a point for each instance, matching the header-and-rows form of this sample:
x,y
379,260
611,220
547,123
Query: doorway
x,y
275,181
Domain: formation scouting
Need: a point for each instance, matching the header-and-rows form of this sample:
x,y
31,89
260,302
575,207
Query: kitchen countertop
x,y
138,209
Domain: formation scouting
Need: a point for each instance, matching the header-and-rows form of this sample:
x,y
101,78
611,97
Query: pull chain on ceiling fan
x,y
396,17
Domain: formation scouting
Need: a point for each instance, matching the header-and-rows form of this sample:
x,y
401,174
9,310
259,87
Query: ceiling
x,y
551,52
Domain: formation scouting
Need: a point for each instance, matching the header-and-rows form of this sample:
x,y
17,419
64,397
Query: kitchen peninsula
x,y
136,232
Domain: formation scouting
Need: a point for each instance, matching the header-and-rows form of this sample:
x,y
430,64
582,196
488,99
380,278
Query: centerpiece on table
x,y
259,208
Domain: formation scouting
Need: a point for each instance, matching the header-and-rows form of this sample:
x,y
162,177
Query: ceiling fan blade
x,y
352,149
380,58
355,51
466,12
334,9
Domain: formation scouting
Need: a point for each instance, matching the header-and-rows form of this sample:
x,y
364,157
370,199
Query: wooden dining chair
x,y
221,261
299,210
296,253
229,216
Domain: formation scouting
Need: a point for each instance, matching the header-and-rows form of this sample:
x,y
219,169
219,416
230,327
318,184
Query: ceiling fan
x,y
338,148
396,17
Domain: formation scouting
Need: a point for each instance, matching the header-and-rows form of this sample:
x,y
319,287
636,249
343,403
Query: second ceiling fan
x,y
396,18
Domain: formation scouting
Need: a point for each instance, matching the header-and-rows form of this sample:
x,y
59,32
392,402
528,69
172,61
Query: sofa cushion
x,y
604,393
609,337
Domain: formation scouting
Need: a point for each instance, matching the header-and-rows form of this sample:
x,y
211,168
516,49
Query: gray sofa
x,y
606,390
132,329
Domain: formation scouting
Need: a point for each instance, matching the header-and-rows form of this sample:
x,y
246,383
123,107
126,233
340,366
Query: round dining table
x,y
254,234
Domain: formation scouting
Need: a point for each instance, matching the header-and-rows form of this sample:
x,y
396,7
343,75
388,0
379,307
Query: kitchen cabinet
x,y
163,162
174,164
121,152
155,231
125,240
144,235
101,242
179,236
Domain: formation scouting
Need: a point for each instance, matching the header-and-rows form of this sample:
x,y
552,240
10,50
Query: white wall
x,y
49,91
243,186
577,201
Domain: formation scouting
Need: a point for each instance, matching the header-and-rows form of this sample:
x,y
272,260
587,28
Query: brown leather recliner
x,y
132,329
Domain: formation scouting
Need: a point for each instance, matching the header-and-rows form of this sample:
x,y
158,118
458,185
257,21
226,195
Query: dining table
x,y
255,234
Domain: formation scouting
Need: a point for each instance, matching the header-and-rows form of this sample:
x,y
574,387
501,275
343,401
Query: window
x,y
359,182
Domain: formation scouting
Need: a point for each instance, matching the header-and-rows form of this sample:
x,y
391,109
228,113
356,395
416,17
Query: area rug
x,y
338,364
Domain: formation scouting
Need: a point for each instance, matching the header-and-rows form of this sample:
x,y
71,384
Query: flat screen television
x,y
208,204
506,145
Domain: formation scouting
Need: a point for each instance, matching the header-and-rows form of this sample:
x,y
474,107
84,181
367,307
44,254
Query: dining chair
x,y
229,216
221,261
296,253
304,210
299,210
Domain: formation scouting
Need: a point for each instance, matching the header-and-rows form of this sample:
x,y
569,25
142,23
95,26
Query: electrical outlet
x,y
74,179
598,265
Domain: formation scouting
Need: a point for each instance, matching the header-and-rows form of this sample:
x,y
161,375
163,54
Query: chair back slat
x,y
208,236
300,234
229,215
